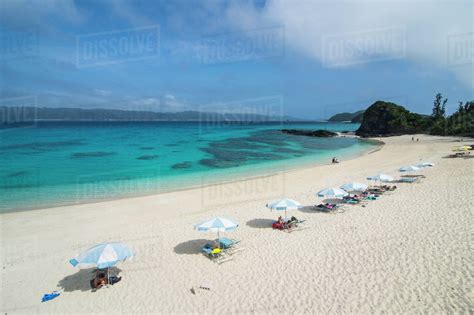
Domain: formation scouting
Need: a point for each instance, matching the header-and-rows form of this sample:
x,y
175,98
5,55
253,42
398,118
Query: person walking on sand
x,y
412,138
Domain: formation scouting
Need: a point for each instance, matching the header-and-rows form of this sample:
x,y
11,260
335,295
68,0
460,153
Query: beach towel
x,y
48,297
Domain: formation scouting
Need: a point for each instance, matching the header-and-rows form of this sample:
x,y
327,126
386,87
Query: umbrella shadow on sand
x,y
81,280
260,223
332,201
191,247
308,209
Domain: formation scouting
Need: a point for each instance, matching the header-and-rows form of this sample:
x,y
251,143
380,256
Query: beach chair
x,y
389,188
288,226
229,245
351,201
216,255
414,176
409,180
372,197
326,207
211,251
376,190
295,225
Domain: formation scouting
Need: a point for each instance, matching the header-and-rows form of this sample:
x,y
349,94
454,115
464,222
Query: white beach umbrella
x,y
284,205
425,164
381,177
102,256
332,192
410,168
216,224
463,148
354,186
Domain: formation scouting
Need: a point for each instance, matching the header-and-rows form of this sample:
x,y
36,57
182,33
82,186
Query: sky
x,y
305,59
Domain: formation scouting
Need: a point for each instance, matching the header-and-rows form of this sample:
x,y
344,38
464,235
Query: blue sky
x,y
311,59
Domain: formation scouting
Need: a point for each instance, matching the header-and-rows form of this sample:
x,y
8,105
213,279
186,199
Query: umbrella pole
x,y
218,238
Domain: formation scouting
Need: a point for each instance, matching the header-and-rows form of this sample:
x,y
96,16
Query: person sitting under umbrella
x,y
293,221
101,279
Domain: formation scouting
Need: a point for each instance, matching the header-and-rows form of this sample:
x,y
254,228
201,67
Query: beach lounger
x,y
376,191
226,243
381,189
229,245
295,226
414,176
326,207
210,251
288,226
372,197
351,201
388,187
216,255
408,180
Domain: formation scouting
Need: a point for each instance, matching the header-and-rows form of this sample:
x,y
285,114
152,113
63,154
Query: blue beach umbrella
x,y
425,164
332,192
410,168
102,256
284,205
354,186
381,177
216,224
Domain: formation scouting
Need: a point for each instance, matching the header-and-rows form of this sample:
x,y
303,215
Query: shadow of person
x,y
81,280
260,223
191,247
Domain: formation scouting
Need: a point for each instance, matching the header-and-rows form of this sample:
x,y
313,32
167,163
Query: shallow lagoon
x,y
54,163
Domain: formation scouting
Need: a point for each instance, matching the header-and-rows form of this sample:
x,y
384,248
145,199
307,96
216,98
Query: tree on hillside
x,y
438,123
439,106
461,122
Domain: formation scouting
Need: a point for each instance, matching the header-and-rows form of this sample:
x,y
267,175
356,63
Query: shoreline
x,y
403,253
222,180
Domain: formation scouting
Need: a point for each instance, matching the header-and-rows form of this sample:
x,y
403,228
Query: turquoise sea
x,y
55,163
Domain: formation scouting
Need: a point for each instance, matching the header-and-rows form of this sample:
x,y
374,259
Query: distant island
x,y
16,114
381,119
355,117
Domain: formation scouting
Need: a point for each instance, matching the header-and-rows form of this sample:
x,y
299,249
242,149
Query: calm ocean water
x,y
54,163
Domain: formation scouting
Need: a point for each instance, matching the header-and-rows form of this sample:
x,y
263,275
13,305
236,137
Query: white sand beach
x,y
409,252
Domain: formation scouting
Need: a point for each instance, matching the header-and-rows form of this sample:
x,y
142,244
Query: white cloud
x,y
18,13
428,25
125,10
165,103
102,92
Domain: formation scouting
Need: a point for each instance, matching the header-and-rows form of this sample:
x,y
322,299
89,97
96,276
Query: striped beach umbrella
x,y
463,148
102,256
381,177
284,205
425,164
216,224
354,186
410,168
332,192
